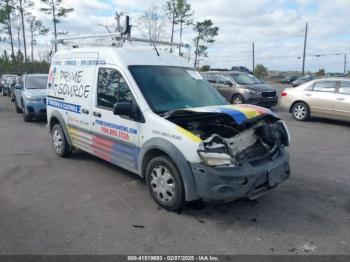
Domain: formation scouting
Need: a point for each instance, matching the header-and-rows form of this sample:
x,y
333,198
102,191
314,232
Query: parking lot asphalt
x,y
83,205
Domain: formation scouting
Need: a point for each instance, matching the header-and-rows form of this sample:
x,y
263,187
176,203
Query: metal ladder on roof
x,y
111,39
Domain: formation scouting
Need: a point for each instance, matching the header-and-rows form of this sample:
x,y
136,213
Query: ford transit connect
x,y
151,113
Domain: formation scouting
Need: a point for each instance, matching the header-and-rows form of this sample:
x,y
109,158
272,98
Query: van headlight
x,y
215,159
32,98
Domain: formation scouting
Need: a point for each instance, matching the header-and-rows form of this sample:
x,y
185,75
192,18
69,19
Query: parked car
x,y
30,96
16,80
8,81
240,87
289,80
301,80
241,69
2,82
327,98
152,114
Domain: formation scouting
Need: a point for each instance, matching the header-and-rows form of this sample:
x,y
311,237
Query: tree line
x,y
179,14
19,29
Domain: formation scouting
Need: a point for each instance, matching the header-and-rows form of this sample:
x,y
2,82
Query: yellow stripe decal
x,y
248,112
188,134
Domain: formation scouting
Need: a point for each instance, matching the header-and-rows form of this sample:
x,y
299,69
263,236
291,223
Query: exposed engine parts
x,y
223,138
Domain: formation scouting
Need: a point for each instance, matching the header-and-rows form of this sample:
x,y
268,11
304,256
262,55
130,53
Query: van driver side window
x,y
111,88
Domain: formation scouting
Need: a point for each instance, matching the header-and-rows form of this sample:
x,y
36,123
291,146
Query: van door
x,y
70,90
116,138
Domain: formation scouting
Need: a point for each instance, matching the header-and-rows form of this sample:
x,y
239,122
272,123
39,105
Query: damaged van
x,y
150,112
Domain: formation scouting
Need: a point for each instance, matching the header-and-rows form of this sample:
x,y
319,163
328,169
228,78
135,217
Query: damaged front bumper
x,y
244,181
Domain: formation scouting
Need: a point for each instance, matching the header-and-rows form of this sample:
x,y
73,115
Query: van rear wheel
x,y
59,142
165,183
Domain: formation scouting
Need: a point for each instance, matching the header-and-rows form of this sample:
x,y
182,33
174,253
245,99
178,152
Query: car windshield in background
x,y
36,82
169,88
245,79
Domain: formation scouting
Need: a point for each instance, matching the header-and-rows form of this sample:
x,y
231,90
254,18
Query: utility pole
x,y
344,63
253,57
303,70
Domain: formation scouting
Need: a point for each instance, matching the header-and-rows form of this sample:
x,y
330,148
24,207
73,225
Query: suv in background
x,y
240,87
241,69
30,96
7,81
301,80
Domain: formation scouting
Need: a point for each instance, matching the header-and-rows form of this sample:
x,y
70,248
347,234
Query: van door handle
x,y
85,111
308,94
96,114
340,98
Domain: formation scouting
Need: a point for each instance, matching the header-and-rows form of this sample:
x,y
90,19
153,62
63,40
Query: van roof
x,y
123,56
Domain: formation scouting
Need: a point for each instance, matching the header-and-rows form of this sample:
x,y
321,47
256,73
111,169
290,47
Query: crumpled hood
x,y
239,113
39,93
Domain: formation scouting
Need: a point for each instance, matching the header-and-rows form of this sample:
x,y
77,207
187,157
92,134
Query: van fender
x,y
56,114
178,158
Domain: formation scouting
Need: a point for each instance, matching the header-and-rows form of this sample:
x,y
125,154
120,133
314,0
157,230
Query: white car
x,y
151,113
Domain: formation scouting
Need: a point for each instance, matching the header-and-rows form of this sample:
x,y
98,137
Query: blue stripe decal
x,y
237,116
64,106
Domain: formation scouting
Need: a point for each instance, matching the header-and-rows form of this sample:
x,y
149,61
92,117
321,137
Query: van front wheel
x,y
59,142
165,183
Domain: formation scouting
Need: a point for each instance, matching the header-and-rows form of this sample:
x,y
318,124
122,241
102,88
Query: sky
x,y
275,26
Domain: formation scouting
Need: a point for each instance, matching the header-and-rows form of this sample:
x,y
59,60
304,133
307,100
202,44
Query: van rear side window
x,y
111,88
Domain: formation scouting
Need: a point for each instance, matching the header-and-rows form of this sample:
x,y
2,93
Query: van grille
x,y
268,94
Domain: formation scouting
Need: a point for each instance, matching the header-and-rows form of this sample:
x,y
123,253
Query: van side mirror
x,y
123,109
18,87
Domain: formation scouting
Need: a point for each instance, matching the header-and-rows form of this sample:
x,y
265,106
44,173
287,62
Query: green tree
x,y
205,68
260,71
6,10
56,9
173,16
321,72
36,28
205,35
185,14
23,6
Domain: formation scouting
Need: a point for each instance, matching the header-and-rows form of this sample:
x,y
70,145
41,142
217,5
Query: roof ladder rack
x,y
113,39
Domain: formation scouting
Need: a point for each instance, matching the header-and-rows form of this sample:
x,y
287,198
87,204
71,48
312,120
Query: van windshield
x,y
168,88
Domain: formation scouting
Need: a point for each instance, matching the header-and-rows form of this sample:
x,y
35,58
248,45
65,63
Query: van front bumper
x,y
246,181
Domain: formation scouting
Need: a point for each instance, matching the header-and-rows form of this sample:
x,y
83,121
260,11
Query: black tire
x,y
301,111
27,118
62,149
18,110
3,93
165,166
237,99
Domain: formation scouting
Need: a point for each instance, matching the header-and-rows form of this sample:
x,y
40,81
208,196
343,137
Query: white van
x,y
151,113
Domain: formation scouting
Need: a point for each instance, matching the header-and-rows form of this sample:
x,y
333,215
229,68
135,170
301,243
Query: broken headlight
x,y
215,159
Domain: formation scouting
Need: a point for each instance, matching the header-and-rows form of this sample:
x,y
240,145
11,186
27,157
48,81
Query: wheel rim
x,y
237,100
57,141
163,184
300,112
